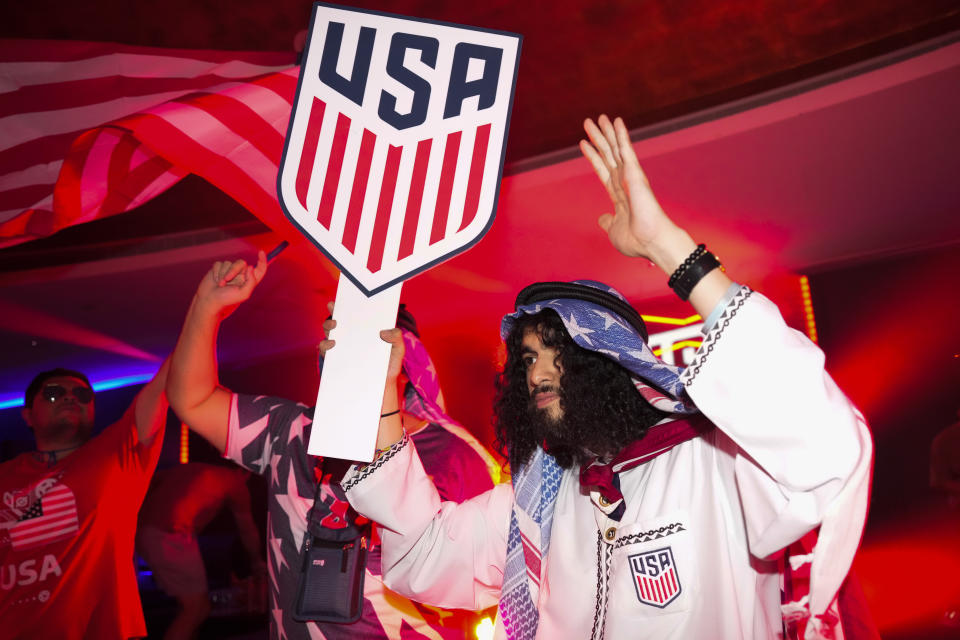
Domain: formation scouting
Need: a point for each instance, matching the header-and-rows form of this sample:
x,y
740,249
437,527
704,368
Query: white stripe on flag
x,y
212,134
128,65
45,173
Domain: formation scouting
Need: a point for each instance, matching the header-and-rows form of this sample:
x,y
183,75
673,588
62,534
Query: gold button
x,y
610,533
604,502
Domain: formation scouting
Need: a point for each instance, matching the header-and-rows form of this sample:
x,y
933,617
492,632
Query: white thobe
x,y
790,453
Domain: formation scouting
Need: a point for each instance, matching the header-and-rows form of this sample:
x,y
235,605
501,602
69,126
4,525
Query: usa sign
x,y
655,577
395,149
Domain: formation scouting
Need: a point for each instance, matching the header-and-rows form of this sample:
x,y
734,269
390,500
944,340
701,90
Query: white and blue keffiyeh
x,y
536,484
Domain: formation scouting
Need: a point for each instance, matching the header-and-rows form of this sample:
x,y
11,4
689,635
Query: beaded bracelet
x,y
699,251
694,273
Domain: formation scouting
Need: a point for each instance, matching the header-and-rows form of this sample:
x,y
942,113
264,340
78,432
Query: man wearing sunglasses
x,y
69,511
58,407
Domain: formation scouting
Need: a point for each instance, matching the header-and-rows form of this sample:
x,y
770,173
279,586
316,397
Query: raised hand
x,y
229,283
638,223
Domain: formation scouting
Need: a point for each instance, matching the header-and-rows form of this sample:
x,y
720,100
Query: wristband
x,y
699,251
694,273
390,413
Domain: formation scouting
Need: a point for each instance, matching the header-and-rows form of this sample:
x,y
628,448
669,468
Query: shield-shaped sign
x,y
395,149
655,577
392,164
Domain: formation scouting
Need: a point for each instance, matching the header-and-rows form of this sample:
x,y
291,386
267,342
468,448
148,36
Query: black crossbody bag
x,y
333,564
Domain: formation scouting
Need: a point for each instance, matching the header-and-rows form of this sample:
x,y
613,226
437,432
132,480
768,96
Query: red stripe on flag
x,y
673,581
642,587
239,118
281,84
24,197
661,592
119,165
355,208
309,155
184,151
67,193
91,91
382,222
447,175
30,50
411,219
475,182
120,198
36,151
335,164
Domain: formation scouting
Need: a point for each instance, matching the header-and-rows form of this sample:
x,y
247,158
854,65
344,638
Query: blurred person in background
x,y
181,502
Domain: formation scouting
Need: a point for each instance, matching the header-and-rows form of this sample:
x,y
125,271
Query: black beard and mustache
x,y
566,436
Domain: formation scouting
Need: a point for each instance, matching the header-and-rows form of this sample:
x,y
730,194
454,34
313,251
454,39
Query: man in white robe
x,y
672,530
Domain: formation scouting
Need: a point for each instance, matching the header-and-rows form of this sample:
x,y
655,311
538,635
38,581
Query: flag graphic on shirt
x,y
655,577
52,516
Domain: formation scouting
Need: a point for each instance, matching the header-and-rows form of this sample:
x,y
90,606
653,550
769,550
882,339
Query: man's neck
x,y
54,450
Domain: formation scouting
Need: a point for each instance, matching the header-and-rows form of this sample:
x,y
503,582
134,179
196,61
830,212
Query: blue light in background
x,y
101,385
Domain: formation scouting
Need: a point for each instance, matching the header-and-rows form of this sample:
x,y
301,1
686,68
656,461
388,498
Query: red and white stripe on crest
x,y
352,178
659,590
88,130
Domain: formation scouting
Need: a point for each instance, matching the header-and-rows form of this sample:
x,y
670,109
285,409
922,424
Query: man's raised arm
x,y
638,226
193,385
151,410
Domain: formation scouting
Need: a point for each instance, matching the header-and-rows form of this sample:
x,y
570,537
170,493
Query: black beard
x,y
559,436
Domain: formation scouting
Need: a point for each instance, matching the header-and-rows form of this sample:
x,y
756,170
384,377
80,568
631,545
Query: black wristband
x,y
699,251
688,279
390,413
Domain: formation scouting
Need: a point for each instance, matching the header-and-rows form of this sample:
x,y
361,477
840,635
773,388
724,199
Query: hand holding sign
x,y
392,165
390,430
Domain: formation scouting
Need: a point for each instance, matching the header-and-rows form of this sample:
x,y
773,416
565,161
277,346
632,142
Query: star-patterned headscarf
x,y
598,328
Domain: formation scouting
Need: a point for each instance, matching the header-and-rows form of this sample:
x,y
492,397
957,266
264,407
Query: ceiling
x,y
790,139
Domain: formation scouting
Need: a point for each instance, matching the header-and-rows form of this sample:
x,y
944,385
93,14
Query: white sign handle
x,y
347,415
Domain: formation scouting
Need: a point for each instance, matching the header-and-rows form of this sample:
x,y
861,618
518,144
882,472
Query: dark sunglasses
x,y
53,392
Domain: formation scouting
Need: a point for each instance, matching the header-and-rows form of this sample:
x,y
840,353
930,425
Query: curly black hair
x,y
602,410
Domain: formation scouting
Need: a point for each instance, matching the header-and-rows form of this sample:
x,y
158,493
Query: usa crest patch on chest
x,y
655,577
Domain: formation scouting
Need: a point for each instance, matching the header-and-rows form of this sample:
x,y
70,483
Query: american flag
x,y
51,517
88,130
